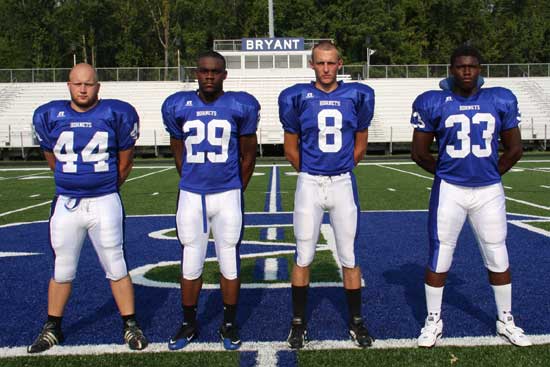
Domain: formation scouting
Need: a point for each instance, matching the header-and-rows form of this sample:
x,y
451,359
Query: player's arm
x,y
292,150
50,158
360,148
177,148
513,149
248,144
125,164
420,150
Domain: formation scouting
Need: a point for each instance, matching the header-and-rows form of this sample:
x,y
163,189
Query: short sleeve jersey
x,y
86,144
211,132
467,131
326,124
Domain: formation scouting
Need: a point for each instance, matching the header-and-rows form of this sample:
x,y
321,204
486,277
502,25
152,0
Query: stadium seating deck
x,y
394,98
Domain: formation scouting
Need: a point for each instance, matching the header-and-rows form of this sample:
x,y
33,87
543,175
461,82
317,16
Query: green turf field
x,y
383,185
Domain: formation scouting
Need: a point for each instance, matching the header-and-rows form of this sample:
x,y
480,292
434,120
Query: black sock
x,y
354,302
56,320
190,314
126,318
299,302
229,313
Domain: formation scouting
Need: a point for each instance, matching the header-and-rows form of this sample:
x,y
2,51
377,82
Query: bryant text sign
x,y
272,44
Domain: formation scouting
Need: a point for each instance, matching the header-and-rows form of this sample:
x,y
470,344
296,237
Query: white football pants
x,y
314,195
486,211
102,219
196,215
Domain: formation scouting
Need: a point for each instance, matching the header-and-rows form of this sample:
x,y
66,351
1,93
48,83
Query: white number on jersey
x,y
210,135
325,130
99,141
463,135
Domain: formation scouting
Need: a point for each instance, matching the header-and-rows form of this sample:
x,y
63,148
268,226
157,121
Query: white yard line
x,y
528,203
403,171
20,177
25,208
271,231
270,269
148,174
49,201
267,350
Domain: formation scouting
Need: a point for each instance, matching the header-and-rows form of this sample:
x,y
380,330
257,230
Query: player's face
x,y
326,64
210,76
466,70
84,87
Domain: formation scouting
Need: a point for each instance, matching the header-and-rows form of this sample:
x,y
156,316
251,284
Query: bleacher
x,y
394,98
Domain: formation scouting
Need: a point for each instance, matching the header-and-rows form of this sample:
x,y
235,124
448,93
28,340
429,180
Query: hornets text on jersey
x,y
467,131
86,144
210,131
326,124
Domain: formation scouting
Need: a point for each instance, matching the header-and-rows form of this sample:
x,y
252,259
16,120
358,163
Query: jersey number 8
x,y
325,130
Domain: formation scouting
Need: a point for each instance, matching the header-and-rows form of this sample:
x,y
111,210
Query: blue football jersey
x,y
467,131
86,144
326,124
210,131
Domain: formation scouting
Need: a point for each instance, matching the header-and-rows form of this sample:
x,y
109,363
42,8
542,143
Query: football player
x,y
467,122
89,144
213,140
325,127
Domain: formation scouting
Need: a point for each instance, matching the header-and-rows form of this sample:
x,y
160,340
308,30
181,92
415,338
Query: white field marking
x,y
507,197
507,187
517,169
25,208
429,188
272,231
138,273
15,254
36,178
545,186
258,174
154,194
148,174
49,202
34,195
291,173
403,171
263,348
22,177
529,227
390,189
270,269
528,203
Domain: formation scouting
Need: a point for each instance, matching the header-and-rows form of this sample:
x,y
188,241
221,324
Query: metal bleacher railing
x,y
356,71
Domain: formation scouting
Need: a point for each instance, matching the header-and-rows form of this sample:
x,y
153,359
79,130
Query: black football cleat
x,y
133,336
359,334
48,337
297,338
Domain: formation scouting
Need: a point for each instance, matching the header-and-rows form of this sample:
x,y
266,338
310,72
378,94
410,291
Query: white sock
x,y
503,300
434,297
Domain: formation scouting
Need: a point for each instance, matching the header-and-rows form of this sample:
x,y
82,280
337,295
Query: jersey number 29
x,y
207,132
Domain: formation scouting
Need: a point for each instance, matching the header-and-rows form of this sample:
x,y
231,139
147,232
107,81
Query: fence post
x,y
155,139
545,136
22,148
391,140
260,142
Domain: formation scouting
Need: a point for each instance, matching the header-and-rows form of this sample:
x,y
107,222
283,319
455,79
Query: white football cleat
x,y
430,333
509,331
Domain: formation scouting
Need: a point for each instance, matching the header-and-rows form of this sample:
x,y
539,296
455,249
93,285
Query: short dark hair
x,y
466,50
325,45
213,54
